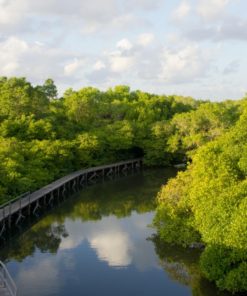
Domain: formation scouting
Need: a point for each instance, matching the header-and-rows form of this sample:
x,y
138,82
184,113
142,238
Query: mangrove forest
x,y
202,206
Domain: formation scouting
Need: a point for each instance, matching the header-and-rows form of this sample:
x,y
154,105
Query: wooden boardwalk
x,y
14,211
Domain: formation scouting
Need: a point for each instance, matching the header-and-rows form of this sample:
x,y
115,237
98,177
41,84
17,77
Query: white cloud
x,y
124,44
12,12
30,59
14,45
145,39
210,9
118,61
127,56
87,16
128,21
181,11
143,4
64,40
72,67
10,68
88,9
232,67
99,65
120,64
11,51
120,22
229,28
213,20
184,64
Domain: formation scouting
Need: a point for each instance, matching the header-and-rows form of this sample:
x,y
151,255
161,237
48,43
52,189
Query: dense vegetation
x,y
207,204
44,137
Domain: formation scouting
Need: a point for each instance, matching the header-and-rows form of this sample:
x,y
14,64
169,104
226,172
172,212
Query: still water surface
x,y
99,243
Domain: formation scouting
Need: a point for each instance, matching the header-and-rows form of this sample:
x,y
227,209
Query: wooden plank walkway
x,y
60,186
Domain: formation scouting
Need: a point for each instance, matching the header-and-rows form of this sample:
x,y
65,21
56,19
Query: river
x,y
99,242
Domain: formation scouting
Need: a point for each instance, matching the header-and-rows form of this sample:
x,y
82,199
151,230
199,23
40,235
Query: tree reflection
x,y
42,236
182,265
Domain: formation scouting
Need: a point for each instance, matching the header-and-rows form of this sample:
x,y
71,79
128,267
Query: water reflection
x,y
43,275
119,242
96,243
113,200
182,265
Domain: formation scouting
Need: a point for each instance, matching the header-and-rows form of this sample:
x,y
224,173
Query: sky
x,y
186,47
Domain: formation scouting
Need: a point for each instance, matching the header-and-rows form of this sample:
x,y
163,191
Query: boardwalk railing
x,y
6,282
15,210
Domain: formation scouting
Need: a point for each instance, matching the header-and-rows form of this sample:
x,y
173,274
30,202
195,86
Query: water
x,y
99,243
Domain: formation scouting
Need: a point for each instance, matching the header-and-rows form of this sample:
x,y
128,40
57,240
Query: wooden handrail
x,y
16,205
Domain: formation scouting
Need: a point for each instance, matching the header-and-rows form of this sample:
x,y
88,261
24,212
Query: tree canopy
x,y
207,203
44,137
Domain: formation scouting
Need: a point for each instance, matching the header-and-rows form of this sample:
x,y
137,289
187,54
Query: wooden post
x,y
3,228
36,206
51,198
9,219
20,216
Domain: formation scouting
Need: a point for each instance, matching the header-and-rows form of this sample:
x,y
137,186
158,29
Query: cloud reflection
x,y
113,247
39,278
119,242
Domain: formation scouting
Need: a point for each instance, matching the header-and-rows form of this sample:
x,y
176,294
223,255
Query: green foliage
x,y
27,128
49,89
226,266
87,147
173,216
197,127
80,106
43,138
18,97
213,194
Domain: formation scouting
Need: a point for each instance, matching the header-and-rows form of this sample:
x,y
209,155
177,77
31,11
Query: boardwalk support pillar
x,y
20,216
36,207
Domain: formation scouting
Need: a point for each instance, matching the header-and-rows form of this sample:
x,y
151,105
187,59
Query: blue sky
x,y
187,47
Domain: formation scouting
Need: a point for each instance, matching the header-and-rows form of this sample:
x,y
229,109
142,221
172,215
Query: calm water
x,y
98,243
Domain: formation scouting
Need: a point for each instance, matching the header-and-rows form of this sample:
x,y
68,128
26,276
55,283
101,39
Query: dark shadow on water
x,y
182,265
